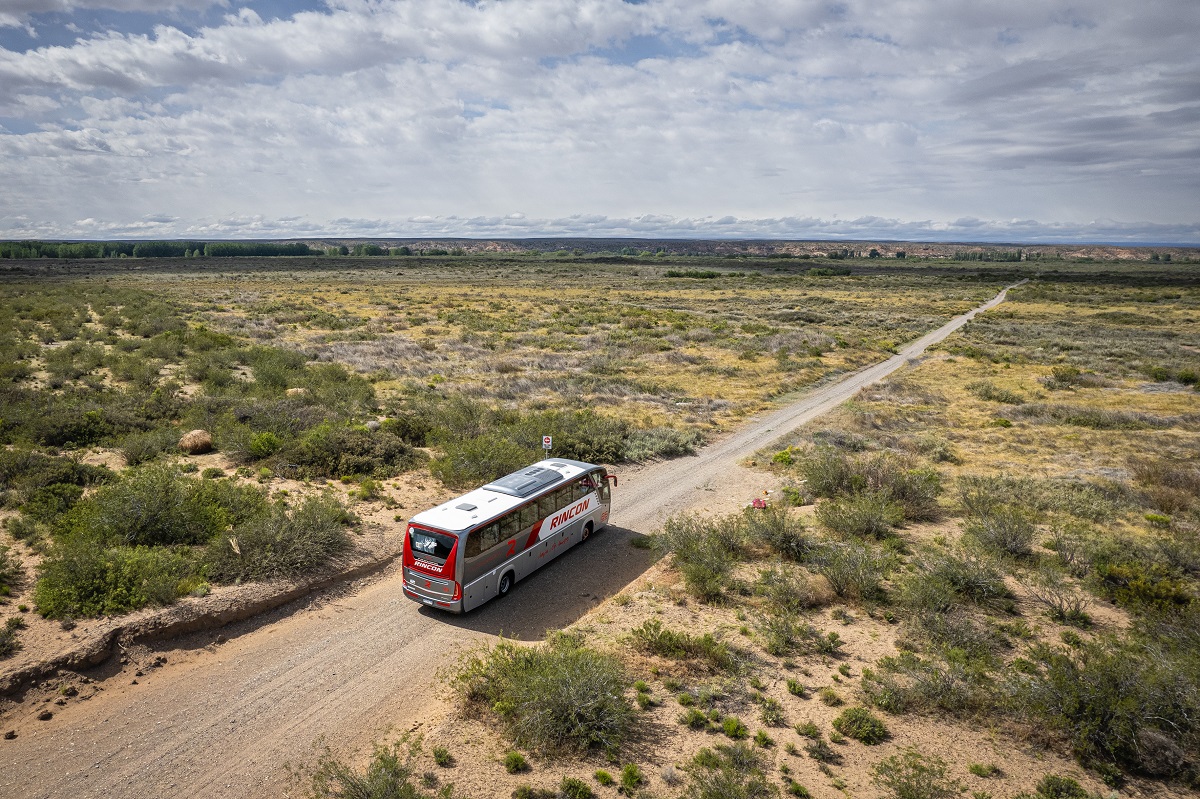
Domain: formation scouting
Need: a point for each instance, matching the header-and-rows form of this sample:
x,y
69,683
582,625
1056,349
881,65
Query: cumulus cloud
x,y
766,111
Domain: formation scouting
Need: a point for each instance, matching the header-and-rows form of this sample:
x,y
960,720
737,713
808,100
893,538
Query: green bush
x,y
1136,706
138,448
1004,530
652,637
480,459
781,531
854,570
11,571
156,505
631,777
866,515
263,445
911,775
388,775
515,763
574,788
9,644
733,771
281,542
81,576
333,450
560,695
704,550
862,725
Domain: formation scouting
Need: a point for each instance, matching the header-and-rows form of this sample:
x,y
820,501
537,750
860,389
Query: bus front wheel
x,y
506,584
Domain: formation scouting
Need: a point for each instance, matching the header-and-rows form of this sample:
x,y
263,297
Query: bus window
x,y
473,547
563,498
546,506
529,515
427,542
510,525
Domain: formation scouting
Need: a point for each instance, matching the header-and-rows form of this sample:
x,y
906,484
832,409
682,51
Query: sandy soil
x,y
221,713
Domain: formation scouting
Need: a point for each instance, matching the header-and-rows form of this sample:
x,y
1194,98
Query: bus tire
x,y
506,584
587,531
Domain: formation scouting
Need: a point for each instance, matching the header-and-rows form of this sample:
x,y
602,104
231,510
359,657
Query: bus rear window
x,y
426,543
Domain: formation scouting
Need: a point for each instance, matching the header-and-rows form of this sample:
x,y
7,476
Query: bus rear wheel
x,y
587,531
506,584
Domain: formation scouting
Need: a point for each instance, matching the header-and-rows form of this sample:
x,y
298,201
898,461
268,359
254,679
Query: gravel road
x,y
220,718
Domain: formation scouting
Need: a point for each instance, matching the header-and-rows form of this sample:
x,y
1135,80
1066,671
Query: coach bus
x,y
475,547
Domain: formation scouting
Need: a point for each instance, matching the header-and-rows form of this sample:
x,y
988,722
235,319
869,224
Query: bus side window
x,y
546,506
529,515
563,498
488,537
473,548
510,525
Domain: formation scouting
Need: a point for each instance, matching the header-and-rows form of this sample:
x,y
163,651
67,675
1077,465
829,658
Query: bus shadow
x,y
563,591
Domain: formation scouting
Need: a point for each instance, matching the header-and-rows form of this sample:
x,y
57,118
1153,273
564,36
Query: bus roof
x,y
500,496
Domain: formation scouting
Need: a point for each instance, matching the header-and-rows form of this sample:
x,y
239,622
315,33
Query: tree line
x,y
149,249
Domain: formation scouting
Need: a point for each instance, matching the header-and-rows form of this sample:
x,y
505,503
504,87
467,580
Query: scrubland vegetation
x,y
1005,536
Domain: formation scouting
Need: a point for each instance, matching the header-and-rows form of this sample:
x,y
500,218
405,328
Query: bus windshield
x,y
427,543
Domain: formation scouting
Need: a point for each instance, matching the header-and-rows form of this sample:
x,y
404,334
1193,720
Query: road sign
x,y
546,442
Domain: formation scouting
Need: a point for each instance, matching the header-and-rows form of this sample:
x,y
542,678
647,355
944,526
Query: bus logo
x,y
567,514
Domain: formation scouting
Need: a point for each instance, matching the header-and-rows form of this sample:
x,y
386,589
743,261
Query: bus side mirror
x,y
612,477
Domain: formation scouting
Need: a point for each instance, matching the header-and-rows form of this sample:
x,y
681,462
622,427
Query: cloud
x,y
460,112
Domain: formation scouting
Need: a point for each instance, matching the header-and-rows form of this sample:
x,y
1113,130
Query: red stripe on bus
x,y
533,534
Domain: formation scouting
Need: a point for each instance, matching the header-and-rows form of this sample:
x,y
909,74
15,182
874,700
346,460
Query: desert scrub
x,y
866,514
854,569
83,576
781,531
9,644
11,571
282,542
861,725
704,550
515,763
156,505
559,694
908,683
911,775
391,772
654,638
727,770
1134,703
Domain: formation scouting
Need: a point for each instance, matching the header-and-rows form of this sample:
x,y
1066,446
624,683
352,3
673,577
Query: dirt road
x,y
223,716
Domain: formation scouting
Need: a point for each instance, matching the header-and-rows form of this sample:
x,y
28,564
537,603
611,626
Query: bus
x,y
475,547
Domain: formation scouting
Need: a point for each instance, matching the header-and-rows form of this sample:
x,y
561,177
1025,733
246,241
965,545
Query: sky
x,y
930,120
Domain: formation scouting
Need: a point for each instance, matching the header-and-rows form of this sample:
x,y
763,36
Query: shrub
x,y
1004,530
652,637
862,725
1053,786
388,774
11,571
82,576
515,763
138,448
574,788
730,772
906,682
604,778
853,570
867,514
733,727
281,542
912,775
9,645
704,551
337,450
820,751
987,390
631,777
781,531
156,505
558,695
1063,603
830,697
1126,703
828,472
442,756
263,445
